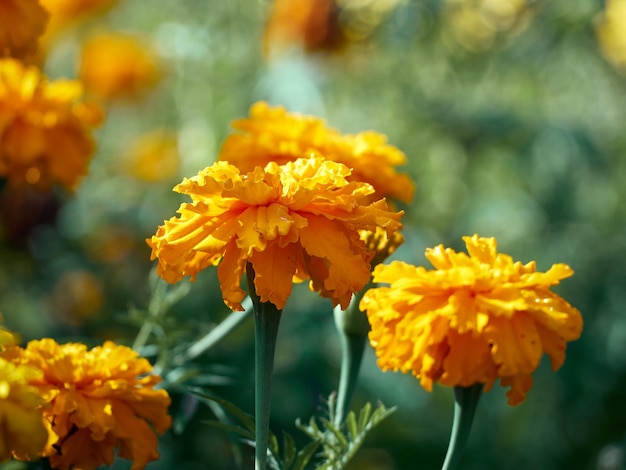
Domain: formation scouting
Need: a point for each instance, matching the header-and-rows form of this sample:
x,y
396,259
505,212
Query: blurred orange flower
x,y
100,399
273,134
45,131
22,22
312,25
321,25
153,156
64,12
611,33
473,319
114,65
297,221
22,431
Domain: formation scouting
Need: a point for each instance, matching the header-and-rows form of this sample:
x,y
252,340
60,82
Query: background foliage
x,y
517,134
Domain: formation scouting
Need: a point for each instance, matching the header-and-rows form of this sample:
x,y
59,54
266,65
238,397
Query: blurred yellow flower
x,y
100,399
273,134
45,131
22,431
292,222
611,33
115,65
476,24
22,22
473,319
153,156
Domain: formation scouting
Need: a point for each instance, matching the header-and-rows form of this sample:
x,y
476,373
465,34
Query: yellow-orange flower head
x,y
473,319
45,131
22,22
273,134
296,221
115,66
22,431
99,400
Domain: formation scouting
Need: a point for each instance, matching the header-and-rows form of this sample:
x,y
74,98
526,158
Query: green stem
x,y
266,321
465,404
353,327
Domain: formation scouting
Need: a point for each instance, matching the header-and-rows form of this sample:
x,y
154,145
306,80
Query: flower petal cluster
x,y
45,131
22,431
99,400
115,66
22,22
473,319
273,134
296,221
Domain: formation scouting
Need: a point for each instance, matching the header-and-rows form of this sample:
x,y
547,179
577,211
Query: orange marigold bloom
x,y
473,319
100,399
114,65
22,22
298,221
273,134
22,431
45,132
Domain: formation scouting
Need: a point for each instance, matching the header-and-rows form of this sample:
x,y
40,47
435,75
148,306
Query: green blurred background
x,y
514,125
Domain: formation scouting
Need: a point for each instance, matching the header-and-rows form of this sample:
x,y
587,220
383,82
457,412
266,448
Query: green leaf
x,y
338,448
352,426
341,439
242,416
232,428
273,445
289,450
364,416
305,455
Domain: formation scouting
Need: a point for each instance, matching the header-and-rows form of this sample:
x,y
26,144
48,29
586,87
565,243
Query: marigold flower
x,y
611,33
114,66
299,220
100,399
45,132
273,134
380,245
22,22
22,431
473,319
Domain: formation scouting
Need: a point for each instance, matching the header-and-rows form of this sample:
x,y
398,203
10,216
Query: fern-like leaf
x,y
338,448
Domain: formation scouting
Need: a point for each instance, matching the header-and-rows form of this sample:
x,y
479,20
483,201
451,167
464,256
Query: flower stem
x,y
266,321
353,326
465,404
